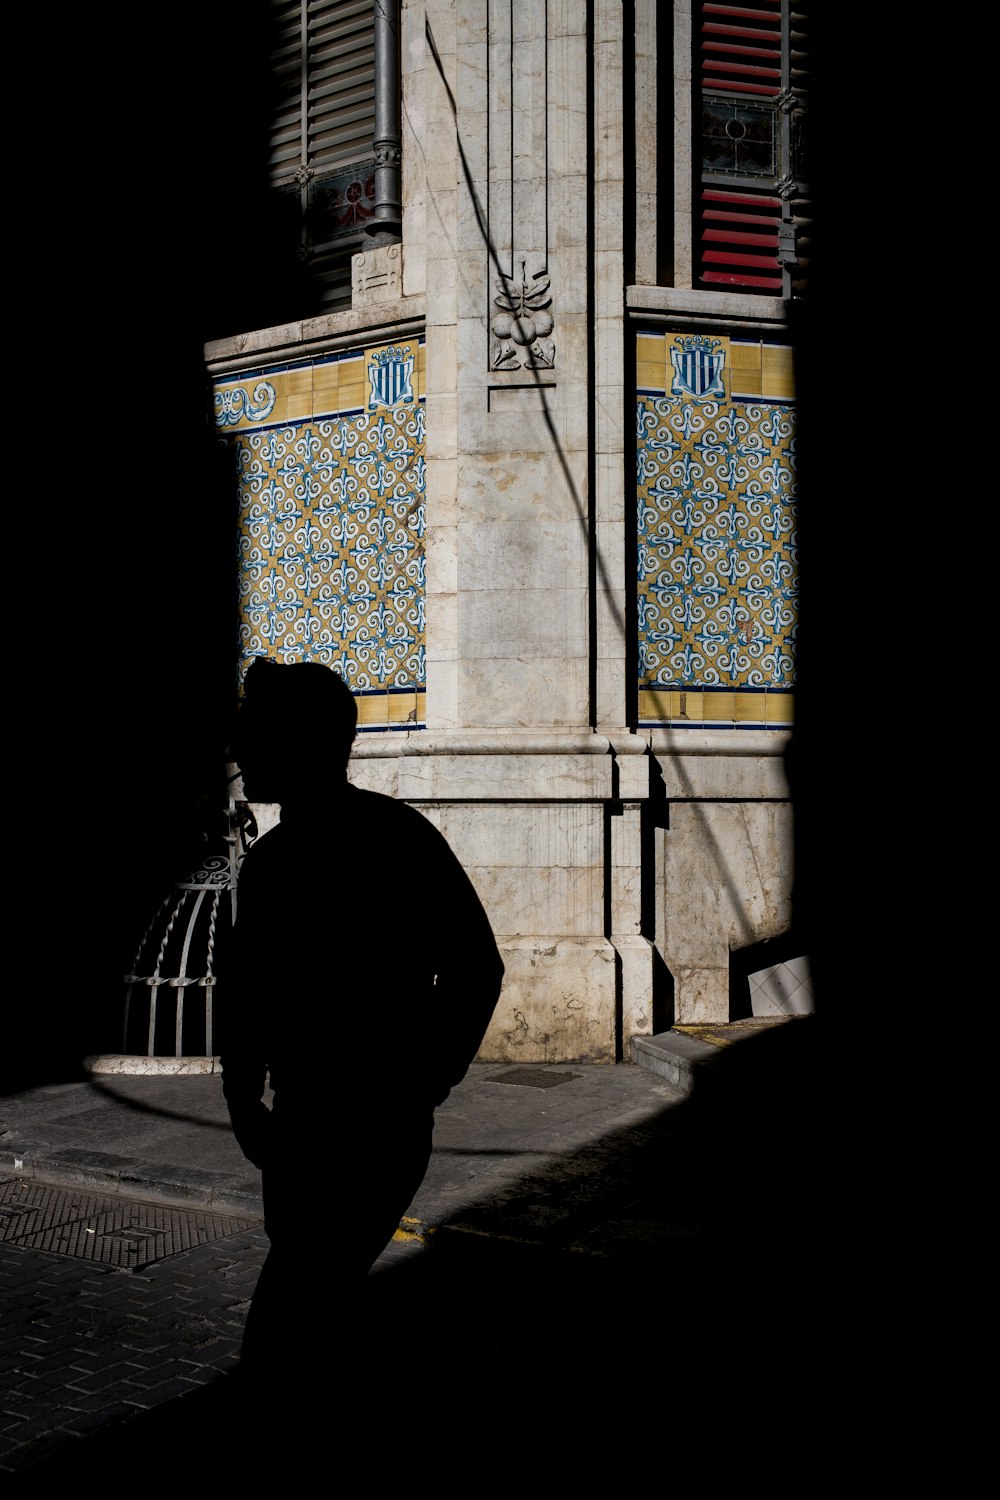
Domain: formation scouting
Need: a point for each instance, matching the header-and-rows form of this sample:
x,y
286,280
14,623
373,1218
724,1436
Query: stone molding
x,y
383,322
677,304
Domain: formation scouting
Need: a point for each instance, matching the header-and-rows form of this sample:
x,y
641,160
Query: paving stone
x,y
529,1192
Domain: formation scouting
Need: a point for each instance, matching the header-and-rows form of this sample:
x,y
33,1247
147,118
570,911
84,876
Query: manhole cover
x,y
532,1078
112,1231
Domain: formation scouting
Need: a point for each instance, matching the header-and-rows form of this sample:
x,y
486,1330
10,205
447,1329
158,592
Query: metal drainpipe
x,y
385,227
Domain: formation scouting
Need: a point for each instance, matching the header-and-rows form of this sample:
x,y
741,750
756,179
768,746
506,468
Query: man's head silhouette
x,y
294,731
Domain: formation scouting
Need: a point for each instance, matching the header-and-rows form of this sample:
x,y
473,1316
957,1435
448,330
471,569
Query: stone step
x,y
675,1055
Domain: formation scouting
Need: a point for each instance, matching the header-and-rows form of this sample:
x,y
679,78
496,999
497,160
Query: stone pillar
x,y
519,190
683,125
523,502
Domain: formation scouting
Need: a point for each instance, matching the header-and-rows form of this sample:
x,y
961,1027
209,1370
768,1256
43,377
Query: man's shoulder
x,y
379,807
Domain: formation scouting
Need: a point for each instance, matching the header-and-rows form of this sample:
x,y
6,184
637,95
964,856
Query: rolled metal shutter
x,y
323,120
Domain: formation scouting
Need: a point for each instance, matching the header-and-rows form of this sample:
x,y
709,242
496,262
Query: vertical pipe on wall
x,y
385,226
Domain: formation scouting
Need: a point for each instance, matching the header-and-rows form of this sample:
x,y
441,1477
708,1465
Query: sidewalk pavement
x,y
577,1224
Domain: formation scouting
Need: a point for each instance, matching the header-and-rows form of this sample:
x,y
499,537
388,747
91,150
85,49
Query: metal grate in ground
x,y
531,1078
111,1231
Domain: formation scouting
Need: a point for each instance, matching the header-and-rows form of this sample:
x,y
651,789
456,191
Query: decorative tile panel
x,y
330,468
717,602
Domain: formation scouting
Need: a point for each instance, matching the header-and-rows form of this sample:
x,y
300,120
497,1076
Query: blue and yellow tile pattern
x,y
330,463
717,572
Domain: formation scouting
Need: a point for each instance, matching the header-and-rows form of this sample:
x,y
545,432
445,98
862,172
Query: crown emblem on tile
x,y
697,368
390,376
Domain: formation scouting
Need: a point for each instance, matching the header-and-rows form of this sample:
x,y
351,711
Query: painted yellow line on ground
x,y
412,1231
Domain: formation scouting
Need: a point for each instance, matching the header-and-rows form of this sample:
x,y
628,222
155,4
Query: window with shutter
x,y
752,217
323,72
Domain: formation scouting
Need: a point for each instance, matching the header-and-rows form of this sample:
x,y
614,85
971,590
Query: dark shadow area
x,y
663,995
105,1086
156,232
849,464
700,1264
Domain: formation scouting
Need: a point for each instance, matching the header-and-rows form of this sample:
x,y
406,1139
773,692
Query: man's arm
x,y
242,1036
243,1088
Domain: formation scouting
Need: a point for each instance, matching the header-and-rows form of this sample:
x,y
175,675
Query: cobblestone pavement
x,y
588,1249
85,1346
136,1358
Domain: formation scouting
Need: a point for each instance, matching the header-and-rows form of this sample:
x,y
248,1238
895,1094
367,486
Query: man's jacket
x,y
361,963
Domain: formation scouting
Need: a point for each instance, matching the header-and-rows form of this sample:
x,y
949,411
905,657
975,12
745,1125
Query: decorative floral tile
x,y
717,571
331,525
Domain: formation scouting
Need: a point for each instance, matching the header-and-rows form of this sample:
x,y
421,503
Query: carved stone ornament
x,y
377,275
520,330
387,153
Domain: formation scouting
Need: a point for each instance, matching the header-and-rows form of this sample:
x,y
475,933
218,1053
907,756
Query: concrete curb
x,y
118,1062
672,1057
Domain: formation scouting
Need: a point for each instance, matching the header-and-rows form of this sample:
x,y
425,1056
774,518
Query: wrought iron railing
x,y
170,988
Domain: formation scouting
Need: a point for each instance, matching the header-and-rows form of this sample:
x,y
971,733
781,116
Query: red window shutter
x,y
741,68
738,242
740,49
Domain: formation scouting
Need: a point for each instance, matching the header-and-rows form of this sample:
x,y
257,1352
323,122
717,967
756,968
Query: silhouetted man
x,y
362,978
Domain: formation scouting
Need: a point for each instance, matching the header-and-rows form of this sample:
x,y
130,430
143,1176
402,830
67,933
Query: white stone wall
x,y
575,843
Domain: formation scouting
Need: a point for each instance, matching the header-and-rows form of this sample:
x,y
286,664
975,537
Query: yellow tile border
x,y
714,706
403,707
778,387
298,389
753,367
380,710
776,358
745,356
649,376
